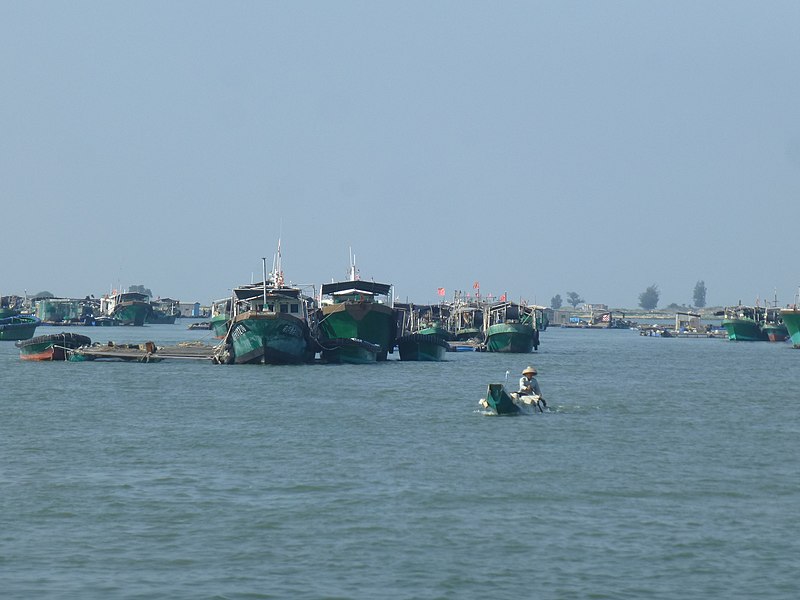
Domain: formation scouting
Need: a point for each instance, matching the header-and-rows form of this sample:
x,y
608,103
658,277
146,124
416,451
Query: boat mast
x,y
352,271
264,285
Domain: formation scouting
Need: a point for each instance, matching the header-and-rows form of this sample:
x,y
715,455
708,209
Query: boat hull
x,y
775,332
131,312
791,318
367,321
157,317
743,330
472,333
219,325
510,337
498,400
350,351
422,347
55,346
270,338
16,328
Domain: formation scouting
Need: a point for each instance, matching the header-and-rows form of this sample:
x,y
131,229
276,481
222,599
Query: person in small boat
x,y
528,386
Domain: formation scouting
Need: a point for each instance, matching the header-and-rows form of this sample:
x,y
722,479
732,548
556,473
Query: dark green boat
x,y
220,317
129,308
18,327
55,346
744,323
511,328
163,312
270,324
352,351
499,401
422,337
465,322
422,346
352,311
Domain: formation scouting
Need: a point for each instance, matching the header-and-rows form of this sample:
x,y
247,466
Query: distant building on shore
x,y
193,309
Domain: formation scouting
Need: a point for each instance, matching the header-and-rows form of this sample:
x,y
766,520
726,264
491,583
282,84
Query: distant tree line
x,y
648,299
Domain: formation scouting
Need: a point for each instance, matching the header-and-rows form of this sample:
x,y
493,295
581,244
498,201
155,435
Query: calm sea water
x,y
666,468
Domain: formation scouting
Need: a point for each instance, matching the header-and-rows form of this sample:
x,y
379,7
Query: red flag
x,y
503,298
476,285
441,291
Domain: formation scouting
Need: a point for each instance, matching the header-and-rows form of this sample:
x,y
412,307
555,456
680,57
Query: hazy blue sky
x,y
536,147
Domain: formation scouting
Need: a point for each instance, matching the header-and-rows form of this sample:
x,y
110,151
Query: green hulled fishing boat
x,y
163,311
220,317
743,323
791,319
511,328
18,327
510,337
55,346
129,308
423,337
352,311
772,326
422,346
465,322
270,323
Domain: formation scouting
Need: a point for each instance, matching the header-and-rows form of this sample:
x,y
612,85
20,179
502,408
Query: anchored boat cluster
x,y
352,321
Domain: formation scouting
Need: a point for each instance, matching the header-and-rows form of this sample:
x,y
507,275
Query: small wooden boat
x,y
499,401
55,346
504,403
18,327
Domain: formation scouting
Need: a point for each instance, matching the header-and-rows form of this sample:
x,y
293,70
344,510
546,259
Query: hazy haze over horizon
x,y
535,147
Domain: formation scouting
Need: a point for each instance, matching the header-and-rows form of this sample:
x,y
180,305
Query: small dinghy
x,y
499,401
504,403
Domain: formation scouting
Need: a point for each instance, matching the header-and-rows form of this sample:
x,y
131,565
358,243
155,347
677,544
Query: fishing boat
x,y
10,306
220,317
743,323
353,351
773,327
422,336
163,311
271,322
55,346
422,346
18,327
356,310
466,321
791,319
511,327
130,308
